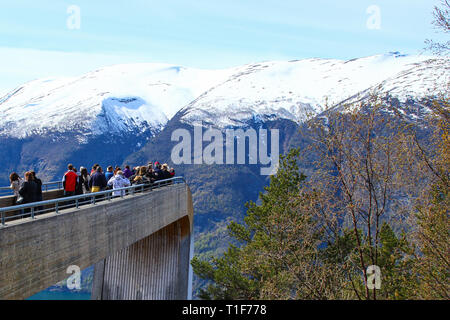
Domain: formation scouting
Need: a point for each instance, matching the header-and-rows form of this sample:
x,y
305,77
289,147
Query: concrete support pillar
x,y
153,268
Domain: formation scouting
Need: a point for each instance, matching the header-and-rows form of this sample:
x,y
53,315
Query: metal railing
x,y
48,186
31,210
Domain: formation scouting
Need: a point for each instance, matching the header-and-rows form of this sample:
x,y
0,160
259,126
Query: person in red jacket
x,y
70,181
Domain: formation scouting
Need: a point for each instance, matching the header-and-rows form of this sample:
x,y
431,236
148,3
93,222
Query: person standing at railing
x,y
135,174
165,171
16,183
109,173
84,179
127,173
119,181
150,175
157,172
79,187
98,181
145,174
70,181
38,190
29,190
94,169
39,186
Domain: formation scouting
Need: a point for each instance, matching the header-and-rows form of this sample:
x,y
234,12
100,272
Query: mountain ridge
x,y
124,107
145,96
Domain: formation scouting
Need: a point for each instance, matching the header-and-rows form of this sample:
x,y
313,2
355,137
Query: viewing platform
x,y
140,242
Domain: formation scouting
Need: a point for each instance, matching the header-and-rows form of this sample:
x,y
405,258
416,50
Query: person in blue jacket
x,y
109,173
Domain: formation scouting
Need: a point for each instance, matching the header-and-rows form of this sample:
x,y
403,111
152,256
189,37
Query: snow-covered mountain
x,y
100,117
141,97
108,114
116,99
295,90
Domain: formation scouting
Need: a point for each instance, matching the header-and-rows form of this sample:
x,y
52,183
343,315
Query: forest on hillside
x,y
369,222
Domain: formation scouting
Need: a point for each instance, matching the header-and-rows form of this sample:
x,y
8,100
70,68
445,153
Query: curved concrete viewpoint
x,y
140,246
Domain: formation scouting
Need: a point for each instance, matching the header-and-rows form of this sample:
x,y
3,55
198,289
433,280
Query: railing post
x,y
3,218
32,212
76,203
56,207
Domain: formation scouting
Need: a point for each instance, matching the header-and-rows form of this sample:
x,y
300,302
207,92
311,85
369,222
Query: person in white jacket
x,y
119,181
16,184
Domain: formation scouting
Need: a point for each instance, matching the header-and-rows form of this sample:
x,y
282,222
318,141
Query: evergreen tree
x,y
279,256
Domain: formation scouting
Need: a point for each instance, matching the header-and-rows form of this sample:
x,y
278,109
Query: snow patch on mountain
x,y
138,98
299,89
112,100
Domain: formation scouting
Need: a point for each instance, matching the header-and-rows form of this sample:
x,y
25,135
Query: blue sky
x,y
42,38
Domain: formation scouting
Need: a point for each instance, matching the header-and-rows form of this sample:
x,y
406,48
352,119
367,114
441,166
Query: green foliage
x,y
396,262
242,271
225,271
394,258
286,252
433,262
277,199
299,240
281,248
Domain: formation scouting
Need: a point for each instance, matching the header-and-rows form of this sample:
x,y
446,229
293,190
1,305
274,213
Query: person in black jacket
x,y
29,190
38,189
165,171
150,176
157,172
79,186
38,185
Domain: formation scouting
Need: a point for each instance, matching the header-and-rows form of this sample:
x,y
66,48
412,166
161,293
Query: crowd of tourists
x,y
78,182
